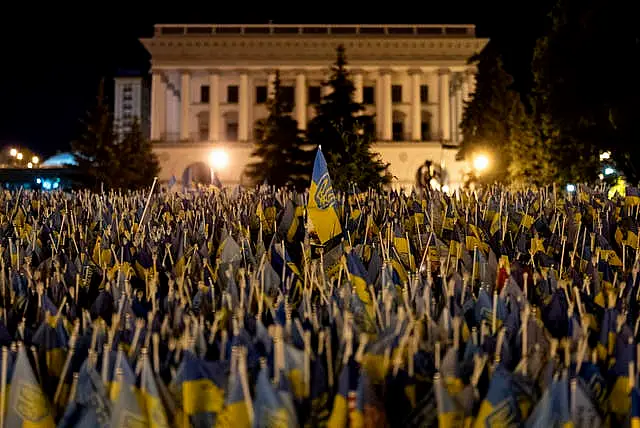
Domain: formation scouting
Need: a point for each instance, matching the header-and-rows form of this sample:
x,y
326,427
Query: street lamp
x,y
13,153
219,159
19,156
29,165
480,162
35,160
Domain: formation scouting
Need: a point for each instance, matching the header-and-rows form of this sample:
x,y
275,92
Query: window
x,y
261,94
426,131
424,94
204,93
232,94
398,131
396,93
288,94
232,131
368,95
314,94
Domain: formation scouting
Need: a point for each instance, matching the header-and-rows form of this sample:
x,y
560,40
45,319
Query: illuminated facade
x,y
210,84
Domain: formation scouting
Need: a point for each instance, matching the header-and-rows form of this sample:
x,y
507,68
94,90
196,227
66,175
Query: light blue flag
x,y
28,406
128,411
91,406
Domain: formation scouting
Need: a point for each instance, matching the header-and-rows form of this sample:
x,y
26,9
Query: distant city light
x,y
29,165
219,159
35,160
481,162
605,155
609,171
571,188
19,156
13,152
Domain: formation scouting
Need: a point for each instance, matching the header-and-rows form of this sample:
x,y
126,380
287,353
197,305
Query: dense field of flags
x,y
263,307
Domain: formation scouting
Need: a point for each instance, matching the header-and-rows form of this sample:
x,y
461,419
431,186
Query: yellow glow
x,y
218,159
35,159
13,152
19,156
480,162
29,165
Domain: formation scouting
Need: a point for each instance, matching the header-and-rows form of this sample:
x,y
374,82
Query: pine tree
x,y
107,162
492,117
283,161
96,150
345,135
141,165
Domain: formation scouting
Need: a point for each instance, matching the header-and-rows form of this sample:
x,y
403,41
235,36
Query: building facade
x,y
210,84
131,101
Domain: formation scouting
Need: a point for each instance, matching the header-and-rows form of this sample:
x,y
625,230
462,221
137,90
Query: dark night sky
x,y
52,63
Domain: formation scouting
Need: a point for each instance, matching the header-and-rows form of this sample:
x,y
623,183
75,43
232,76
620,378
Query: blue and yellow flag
x,y
322,202
28,406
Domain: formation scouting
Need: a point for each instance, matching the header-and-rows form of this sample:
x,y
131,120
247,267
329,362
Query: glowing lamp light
x,y
218,159
38,180
19,156
29,165
481,162
609,171
35,160
13,152
605,156
571,188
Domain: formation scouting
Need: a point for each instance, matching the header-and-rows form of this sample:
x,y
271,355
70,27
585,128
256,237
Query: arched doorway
x,y
197,173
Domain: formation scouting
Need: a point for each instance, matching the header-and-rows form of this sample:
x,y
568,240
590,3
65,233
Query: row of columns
x,y
448,99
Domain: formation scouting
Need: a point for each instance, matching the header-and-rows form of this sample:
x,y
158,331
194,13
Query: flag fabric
x,y
322,202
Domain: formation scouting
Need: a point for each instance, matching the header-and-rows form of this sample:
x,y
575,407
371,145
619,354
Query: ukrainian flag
x,y
635,408
322,202
28,406
632,196
235,410
128,411
151,398
199,388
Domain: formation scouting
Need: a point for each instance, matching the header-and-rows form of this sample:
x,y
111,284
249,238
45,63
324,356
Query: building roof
x,y
59,161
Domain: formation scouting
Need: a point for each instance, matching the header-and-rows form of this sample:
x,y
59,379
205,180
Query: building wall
x,y
405,159
186,57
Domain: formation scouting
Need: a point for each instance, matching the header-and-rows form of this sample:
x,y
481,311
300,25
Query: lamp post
x,y
218,160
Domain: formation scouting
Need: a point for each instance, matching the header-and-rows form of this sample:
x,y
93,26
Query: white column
x,y
185,104
464,88
445,107
271,83
459,110
243,117
358,80
159,104
387,115
416,105
214,106
471,81
301,100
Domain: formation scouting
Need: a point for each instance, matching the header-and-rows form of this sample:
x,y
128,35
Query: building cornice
x,y
260,50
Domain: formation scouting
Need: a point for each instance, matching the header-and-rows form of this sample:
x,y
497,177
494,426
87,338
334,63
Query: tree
x,y
345,135
493,117
532,156
104,160
584,68
95,151
141,165
283,161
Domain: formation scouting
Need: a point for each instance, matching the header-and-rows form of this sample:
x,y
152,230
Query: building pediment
x,y
308,49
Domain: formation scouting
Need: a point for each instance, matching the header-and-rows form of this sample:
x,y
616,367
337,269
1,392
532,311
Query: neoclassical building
x,y
210,84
